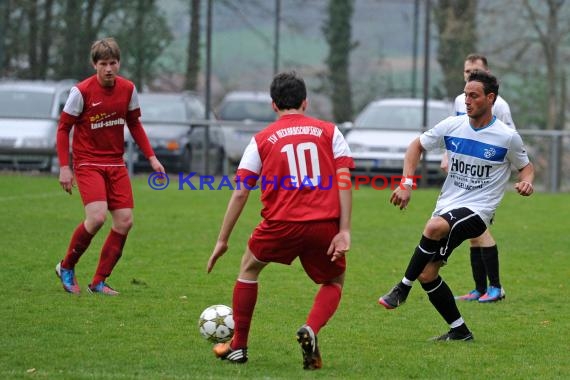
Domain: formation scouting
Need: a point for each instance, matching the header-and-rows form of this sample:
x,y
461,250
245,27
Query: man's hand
x,y
219,250
156,165
66,179
401,196
524,188
339,246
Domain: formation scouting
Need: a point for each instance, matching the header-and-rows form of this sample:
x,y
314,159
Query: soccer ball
x,y
216,323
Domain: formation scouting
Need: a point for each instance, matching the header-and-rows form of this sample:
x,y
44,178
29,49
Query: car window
x,y
247,110
18,103
398,117
162,110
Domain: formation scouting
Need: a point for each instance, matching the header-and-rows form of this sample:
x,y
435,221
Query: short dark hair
x,y
489,81
473,57
288,90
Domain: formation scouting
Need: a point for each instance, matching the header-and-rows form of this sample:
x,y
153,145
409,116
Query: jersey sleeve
x,y
517,154
250,165
251,160
138,133
134,103
74,104
66,122
341,151
434,137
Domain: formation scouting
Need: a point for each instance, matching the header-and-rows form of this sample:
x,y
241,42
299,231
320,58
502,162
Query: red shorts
x,y
110,184
282,242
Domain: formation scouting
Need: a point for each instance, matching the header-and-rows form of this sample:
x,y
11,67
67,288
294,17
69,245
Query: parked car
x,y
245,113
29,113
383,130
172,124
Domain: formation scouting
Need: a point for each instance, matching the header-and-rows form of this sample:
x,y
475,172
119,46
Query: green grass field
x,y
150,331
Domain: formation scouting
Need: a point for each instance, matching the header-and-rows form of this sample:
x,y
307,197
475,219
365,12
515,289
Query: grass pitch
x,y
150,331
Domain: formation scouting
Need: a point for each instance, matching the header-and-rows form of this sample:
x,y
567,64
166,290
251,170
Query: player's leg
x,y
490,259
95,214
330,275
464,224
429,246
91,185
325,303
477,267
243,304
442,299
120,202
112,251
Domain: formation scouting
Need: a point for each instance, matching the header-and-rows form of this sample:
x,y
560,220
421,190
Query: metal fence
x,y
549,151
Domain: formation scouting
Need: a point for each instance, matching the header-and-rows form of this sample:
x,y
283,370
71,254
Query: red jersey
x,y
99,115
294,162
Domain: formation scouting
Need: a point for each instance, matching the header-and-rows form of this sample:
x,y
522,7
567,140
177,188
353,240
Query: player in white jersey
x,y
501,109
481,151
484,254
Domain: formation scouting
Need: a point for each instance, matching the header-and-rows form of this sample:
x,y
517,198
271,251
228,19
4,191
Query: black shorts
x,y
465,224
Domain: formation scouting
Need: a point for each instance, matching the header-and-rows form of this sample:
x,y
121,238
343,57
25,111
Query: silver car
x,y
172,122
382,132
29,113
242,115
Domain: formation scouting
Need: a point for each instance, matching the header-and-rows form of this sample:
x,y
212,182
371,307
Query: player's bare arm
x,y
235,207
526,176
156,165
402,195
340,243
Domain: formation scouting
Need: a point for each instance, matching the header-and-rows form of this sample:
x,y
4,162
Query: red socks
x,y
110,254
324,307
244,299
80,240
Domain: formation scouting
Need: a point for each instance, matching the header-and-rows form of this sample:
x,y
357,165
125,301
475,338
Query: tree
x,y
338,33
45,39
69,65
143,34
32,15
13,20
4,20
456,23
530,53
52,38
546,23
193,56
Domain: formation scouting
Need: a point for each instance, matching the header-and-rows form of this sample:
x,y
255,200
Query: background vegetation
x,y
150,331
350,51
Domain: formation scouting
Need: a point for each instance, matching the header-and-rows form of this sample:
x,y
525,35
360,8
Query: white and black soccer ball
x,y
216,323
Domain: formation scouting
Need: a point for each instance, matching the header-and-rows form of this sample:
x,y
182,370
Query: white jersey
x,y
479,163
501,109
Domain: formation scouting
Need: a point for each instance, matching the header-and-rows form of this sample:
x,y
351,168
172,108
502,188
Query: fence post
x,y
555,157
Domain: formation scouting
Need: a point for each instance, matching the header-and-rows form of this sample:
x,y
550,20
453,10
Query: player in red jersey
x,y
98,109
302,166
